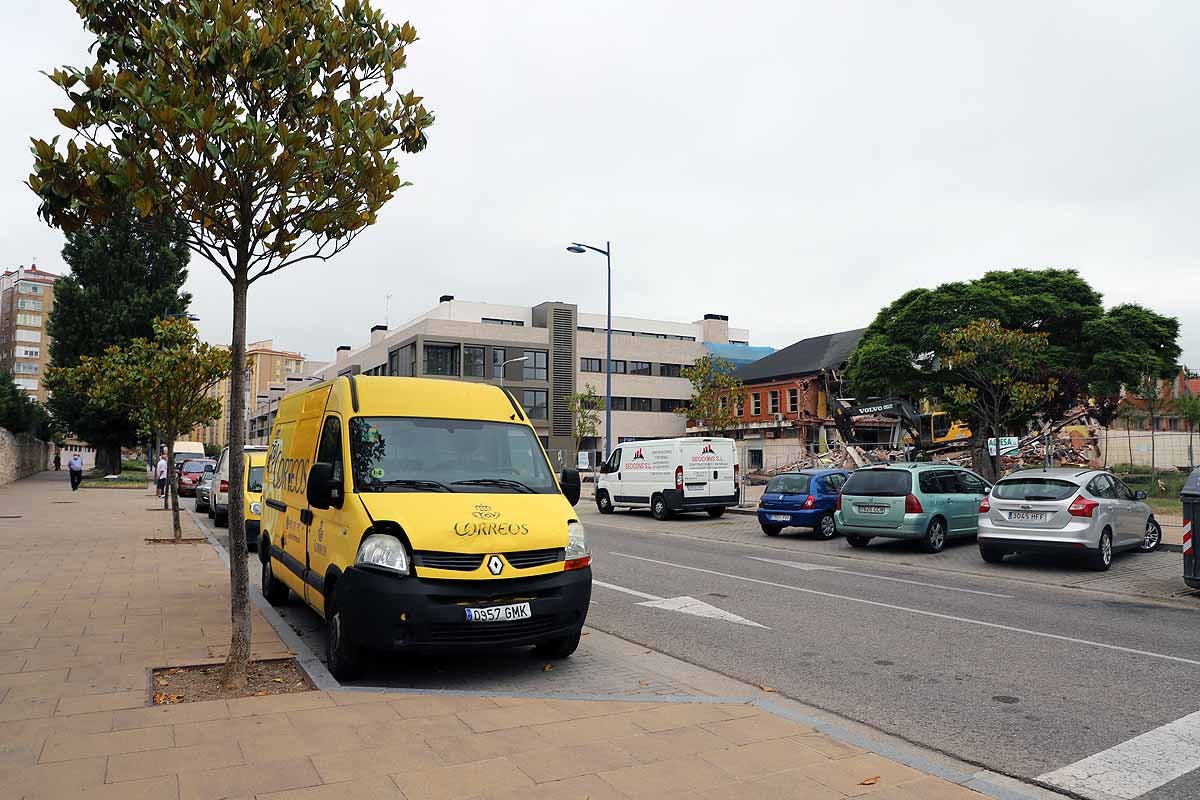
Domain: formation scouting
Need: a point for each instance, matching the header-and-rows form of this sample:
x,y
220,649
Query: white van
x,y
184,450
671,475
218,493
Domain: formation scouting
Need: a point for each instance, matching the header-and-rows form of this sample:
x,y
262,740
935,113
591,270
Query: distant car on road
x,y
187,478
928,502
204,488
804,499
1088,512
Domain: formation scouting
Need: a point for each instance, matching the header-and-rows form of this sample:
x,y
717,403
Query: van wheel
x,y
1101,558
211,513
990,554
857,541
826,527
273,589
1153,537
935,536
604,503
342,657
221,519
716,513
658,507
770,530
561,647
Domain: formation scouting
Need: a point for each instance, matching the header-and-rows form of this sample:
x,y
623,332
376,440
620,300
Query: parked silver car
x,y
1085,511
204,487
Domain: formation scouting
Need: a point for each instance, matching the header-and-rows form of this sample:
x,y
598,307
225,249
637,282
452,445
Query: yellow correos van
x,y
421,514
256,465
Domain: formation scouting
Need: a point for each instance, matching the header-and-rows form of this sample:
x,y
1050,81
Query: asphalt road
x,y
1024,669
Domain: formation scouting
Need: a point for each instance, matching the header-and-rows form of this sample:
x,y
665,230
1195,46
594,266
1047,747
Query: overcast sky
x,y
793,164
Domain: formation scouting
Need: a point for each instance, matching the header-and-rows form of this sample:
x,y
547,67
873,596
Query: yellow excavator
x,y
923,432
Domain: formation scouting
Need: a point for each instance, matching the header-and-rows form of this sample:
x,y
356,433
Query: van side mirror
x,y
320,487
571,485
1139,495
604,468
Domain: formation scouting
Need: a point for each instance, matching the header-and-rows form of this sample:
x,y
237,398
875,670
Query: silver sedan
x,y
1089,512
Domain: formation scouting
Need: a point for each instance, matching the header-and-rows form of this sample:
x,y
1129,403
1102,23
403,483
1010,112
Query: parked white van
x,y
671,475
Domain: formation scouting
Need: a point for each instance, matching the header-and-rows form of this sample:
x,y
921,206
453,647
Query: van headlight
x,y
576,541
256,508
381,550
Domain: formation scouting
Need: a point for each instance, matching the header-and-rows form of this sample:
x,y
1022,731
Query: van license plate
x,y
1027,516
872,509
499,613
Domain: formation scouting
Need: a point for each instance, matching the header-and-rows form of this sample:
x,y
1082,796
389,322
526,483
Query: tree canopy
x,y
20,413
715,394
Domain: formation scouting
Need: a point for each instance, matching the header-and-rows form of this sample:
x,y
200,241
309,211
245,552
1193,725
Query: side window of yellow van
x,y
330,451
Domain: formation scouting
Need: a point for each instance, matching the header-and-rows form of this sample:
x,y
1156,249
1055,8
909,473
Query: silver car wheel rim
x,y
827,527
936,536
1106,550
1152,534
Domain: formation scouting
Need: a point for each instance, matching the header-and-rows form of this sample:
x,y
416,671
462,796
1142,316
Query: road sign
x,y
1009,445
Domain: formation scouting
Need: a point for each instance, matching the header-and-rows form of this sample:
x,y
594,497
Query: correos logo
x,y
286,474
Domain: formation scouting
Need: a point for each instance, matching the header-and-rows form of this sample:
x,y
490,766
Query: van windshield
x,y
413,454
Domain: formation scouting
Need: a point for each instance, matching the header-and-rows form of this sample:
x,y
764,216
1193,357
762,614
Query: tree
x,y
715,394
162,383
20,413
585,413
1150,390
1188,407
125,273
270,126
992,376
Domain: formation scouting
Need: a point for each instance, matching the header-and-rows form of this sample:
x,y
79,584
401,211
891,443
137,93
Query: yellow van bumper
x,y
391,612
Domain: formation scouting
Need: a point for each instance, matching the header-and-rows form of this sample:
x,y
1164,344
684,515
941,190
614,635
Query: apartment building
x,y
265,367
26,297
545,353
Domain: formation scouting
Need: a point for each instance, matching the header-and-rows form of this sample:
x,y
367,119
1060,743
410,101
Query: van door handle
x,y
714,474
306,516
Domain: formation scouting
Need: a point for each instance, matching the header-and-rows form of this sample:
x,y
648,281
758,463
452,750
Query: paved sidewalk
x,y
87,606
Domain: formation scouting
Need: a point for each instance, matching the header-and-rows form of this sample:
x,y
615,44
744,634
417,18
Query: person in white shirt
x,y
161,473
75,470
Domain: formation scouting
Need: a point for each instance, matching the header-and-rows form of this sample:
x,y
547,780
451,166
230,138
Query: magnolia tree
x,y
271,127
164,384
716,394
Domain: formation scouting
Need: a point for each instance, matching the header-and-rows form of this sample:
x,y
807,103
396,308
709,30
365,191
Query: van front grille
x,y
489,632
526,559
435,559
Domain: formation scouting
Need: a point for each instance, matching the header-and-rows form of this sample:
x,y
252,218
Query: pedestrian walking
x,y
161,473
75,468
57,461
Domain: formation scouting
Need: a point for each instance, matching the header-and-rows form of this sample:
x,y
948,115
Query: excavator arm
x,y
844,415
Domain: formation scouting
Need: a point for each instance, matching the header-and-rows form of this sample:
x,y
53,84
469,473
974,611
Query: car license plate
x,y
779,517
872,509
1027,516
499,613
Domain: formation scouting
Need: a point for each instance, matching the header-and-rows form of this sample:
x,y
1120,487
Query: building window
x,y
29,305
639,367
618,404
27,352
498,360
473,362
516,323
618,367
670,370
26,368
591,365
755,404
535,403
722,402
641,404
670,405
28,384
394,362
773,401
27,336
794,400
441,359
585,329
739,406
735,341
29,320
535,365
30,288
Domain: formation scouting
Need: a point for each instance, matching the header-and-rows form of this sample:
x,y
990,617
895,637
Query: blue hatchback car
x,y
804,499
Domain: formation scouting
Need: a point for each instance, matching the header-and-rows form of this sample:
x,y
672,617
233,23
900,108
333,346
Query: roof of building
x,y
1193,386
829,351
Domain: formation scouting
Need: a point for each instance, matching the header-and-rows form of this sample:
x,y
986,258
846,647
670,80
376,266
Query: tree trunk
x,y
980,462
996,458
173,491
1129,440
108,458
1153,459
1106,446
233,676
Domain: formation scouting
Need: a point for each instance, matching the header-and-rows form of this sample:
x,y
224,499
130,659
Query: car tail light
x,y
679,478
1082,507
912,505
224,486
839,502
985,505
809,502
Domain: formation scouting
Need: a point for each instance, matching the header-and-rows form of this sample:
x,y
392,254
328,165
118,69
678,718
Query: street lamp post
x,y
576,247
506,363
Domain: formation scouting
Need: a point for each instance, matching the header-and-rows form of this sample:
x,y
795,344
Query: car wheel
x,y
221,519
1101,559
658,507
857,541
273,589
561,647
211,514
342,657
1153,537
990,554
935,536
827,526
770,530
604,503
716,513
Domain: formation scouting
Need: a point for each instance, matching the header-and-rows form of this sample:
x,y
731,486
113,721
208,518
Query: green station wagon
x,y
927,502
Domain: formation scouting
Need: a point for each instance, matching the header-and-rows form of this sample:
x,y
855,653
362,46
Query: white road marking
x,y
684,605
952,618
1136,766
824,568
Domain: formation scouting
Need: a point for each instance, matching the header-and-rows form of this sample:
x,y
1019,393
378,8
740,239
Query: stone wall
x,y
21,456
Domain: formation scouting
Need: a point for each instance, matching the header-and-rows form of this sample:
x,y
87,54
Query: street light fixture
x,y
506,363
576,247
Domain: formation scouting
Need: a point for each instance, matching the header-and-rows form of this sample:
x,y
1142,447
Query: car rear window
x,y
878,483
194,466
1034,489
788,484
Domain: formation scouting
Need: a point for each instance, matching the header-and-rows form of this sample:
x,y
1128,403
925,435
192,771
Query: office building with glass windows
x,y
26,297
